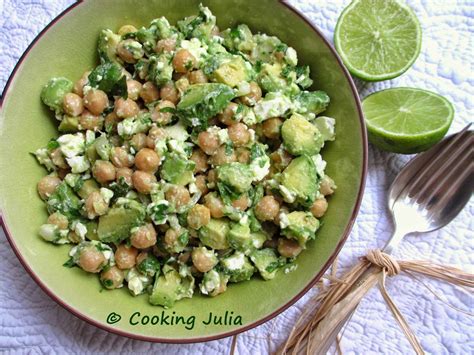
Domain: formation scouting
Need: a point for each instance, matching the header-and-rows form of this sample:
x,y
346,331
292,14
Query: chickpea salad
x,y
189,158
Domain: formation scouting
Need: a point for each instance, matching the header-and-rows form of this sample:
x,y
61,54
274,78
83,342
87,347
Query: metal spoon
x,y
426,195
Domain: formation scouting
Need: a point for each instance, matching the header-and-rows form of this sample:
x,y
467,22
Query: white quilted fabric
x,y
31,322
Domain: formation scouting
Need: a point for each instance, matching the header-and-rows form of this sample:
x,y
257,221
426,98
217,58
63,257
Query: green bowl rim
x,y
315,279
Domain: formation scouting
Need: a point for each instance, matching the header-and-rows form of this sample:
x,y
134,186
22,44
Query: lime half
x,y
406,120
378,39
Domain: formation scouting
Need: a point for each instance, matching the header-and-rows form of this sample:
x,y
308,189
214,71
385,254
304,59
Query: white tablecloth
x,y
31,321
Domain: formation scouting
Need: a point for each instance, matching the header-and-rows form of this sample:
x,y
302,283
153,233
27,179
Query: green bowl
x,y
66,48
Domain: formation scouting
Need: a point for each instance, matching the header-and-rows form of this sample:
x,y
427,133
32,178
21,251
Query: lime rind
x,y
401,142
364,74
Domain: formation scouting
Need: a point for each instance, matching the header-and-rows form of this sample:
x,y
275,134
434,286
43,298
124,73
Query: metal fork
x,y
426,195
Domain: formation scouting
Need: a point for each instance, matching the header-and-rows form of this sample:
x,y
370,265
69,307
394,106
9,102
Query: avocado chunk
x,y
237,267
200,102
301,180
109,78
301,226
239,38
300,136
107,46
270,78
214,234
213,283
236,176
115,226
87,188
313,102
170,287
91,233
103,147
241,238
231,73
53,93
177,170
69,124
65,201
267,262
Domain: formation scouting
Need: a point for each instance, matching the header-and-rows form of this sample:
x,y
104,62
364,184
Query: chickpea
x,y
144,237
223,156
154,134
178,195
184,61
327,186
143,181
169,93
47,185
133,89
203,259
160,117
130,51
281,159
198,216
319,207
59,220
58,158
227,116
171,237
212,176
147,160
96,101
126,29
91,259
126,108
200,158
95,205
78,87
111,121
201,184
253,96
138,141
125,257
165,45
184,257
73,237
271,127
208,142
89,121
103,171
243,155
127,74
125,173
120,157
197,77
267,208
214,204
242,203
149,92
112,278
288,248
239,134
63,172
72,104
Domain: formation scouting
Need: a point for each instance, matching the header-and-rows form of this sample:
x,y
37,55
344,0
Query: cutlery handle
x,y
333,322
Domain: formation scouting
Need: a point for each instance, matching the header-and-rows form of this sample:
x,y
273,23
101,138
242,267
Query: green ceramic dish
x,y
66,47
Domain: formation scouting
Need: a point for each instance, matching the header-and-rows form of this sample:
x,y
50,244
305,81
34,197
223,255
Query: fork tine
x,y
450,166
426,173
464,174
